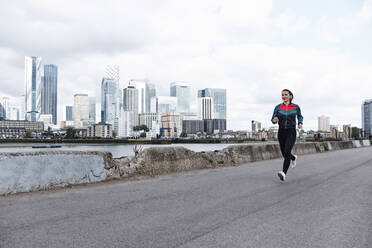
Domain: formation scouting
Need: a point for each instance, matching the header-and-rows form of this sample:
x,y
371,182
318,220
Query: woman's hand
x,y
300,126
276,119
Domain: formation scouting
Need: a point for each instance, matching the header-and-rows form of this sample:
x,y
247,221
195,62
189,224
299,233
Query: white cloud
x,y
237,45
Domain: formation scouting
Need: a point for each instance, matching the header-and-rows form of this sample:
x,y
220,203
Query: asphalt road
x,y
325,202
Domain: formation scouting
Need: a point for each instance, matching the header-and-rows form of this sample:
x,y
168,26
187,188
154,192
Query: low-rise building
x,y
18,129
102,130
170,125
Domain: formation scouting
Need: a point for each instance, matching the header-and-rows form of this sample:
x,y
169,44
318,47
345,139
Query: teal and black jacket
x,y
287,115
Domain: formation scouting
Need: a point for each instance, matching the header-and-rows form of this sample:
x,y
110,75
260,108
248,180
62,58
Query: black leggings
x,y
287,139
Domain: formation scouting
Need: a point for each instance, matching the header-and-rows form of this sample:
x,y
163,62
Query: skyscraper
x,y
142,93
219,101
256,126
151,94
49,92
205,108
81,110
69,113
33,87
182,92
367,117
130,100
324,123
92,110
113,72
166,104
109,100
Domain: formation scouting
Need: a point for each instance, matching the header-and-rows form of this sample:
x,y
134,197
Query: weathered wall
x,y
23,172
31,171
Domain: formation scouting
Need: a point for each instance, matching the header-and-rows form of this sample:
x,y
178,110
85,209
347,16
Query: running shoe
x,y
281,175
294,162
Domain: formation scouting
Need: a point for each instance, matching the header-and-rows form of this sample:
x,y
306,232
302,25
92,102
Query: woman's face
x,y
286,96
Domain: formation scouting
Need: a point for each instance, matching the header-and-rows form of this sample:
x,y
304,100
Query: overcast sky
x,y
320,49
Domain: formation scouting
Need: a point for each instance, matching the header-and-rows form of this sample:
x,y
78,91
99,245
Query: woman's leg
x,y
282,135
289,143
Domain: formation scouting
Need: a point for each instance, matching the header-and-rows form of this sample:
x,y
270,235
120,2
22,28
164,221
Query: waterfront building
x,y
324,123
367,117
140,85
92,110
170,125
151,94
109,100
205,108
81,110
49,92
219,101
66,124
33,88
18,129
126,123
101,130
215,126
148,119
4,108
130,101
69,113
47,119
182,92
193,126
256,126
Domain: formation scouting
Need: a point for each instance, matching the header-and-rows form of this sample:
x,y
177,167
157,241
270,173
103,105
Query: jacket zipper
x,y
286,116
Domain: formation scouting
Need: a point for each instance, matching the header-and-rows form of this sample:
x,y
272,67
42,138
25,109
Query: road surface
x,y
325,202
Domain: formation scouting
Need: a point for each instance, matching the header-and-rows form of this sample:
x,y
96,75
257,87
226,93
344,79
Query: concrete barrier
x,y
366,143
32,171
356,144
23,172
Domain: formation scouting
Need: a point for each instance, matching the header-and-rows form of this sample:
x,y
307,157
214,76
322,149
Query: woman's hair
x,y
290,93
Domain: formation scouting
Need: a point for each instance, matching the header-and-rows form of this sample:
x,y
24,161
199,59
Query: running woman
x,y
285,114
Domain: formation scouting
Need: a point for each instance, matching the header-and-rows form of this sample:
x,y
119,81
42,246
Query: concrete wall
x,y
23,172
31,171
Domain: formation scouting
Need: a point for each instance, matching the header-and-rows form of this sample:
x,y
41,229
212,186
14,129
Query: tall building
x,y
324,123
109,97
92,110
130,100
81,110
22,107
126,123
151,94
4,108
166,104
182,92
219,101
49,92
256,126
69,113
140,85
367,117
113,72
33,87
205,108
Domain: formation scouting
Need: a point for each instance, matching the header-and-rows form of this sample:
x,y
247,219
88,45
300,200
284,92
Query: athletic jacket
x,y
287,115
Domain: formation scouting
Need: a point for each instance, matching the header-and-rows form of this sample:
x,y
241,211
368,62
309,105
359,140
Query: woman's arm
x,y
300,118
274,119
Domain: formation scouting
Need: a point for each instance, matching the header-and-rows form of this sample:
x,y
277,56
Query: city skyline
x,y
253,49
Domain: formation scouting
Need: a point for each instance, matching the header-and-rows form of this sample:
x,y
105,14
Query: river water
x,y
116,150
